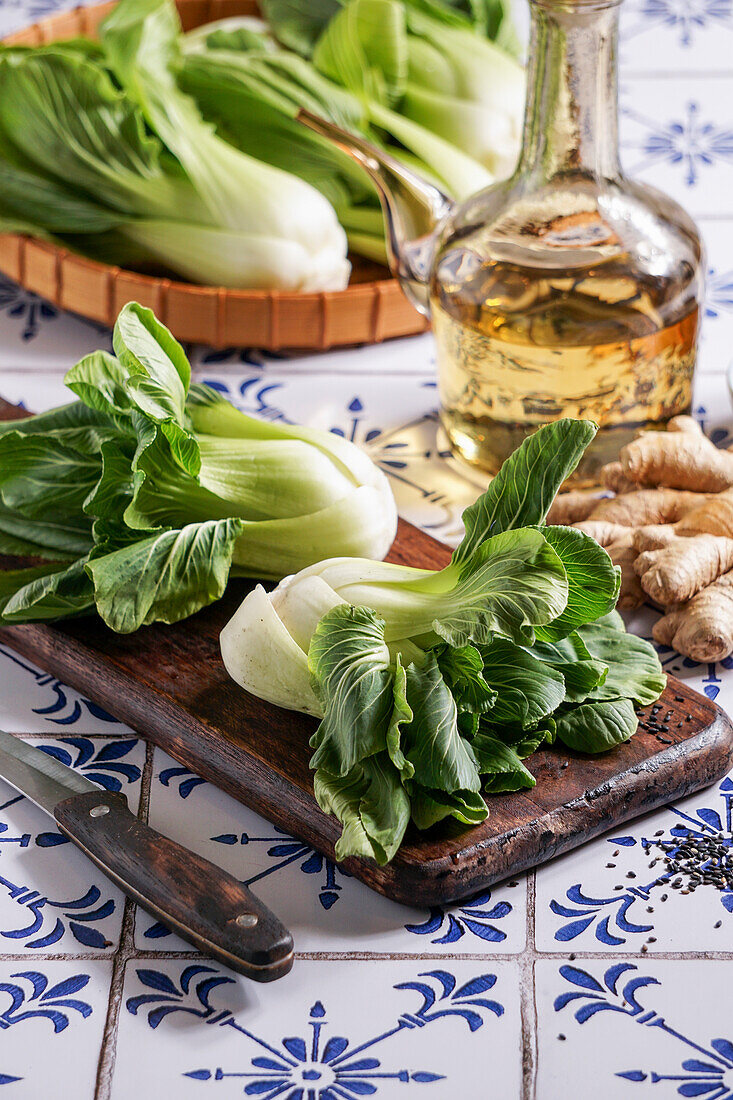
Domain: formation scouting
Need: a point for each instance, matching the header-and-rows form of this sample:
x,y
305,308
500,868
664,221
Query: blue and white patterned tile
x,y
716,343
15,14
52,1017
676,36
408,355
678,136
620,1031
53,900
37,336
34,391
325,908
327,1031
33,701
617,893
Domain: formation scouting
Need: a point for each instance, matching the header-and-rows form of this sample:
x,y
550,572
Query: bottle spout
x,y
413,208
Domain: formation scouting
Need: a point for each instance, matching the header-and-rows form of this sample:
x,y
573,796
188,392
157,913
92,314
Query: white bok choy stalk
x,y
260,208
434,686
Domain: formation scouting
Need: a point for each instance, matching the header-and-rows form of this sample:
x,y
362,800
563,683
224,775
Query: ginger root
x,y
614,478
568,508
676,573
606,533
677,460
703,628
648,506
670,529
631,594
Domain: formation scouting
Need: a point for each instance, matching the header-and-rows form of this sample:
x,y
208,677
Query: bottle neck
x,y
571,114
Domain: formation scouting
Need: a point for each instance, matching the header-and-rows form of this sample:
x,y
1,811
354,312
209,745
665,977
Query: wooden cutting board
x,y
168,683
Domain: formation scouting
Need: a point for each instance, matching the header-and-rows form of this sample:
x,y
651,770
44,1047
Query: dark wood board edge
x,y
697,763
694,763
266,788
12,412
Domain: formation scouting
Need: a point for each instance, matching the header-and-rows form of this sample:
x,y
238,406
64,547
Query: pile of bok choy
x,y
156,150
434,687
144,495
102,150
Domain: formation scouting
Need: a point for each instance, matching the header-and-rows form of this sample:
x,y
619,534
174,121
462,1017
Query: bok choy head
x,y
434,686
107,153
145,494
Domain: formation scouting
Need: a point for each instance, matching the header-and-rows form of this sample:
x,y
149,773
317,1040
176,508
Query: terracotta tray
x,y
371,309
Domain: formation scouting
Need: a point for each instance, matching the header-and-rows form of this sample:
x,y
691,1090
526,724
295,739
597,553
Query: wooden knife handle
x,y
198,900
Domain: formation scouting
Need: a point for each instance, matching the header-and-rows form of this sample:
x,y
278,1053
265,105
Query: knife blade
x,y
198,900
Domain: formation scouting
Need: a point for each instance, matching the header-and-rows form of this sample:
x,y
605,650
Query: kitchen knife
x,y
198,900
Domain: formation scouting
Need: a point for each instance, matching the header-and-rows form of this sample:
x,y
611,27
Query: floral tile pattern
x,y
678,136
77,912
617,893
59,1009
676,36
604,974
33,700
414,1027
326,909
635,1029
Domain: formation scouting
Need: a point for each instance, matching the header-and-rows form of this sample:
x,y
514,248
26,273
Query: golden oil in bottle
x,y
518,346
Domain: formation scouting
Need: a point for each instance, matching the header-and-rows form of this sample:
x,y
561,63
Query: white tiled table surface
x,y
538,988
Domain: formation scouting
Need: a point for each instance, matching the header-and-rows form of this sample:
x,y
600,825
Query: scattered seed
x,y
562,1038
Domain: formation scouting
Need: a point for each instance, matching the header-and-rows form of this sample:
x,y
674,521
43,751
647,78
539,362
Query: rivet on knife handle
x,y
198,900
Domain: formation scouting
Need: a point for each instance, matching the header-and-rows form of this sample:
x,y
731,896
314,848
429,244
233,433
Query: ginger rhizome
x,y
669,526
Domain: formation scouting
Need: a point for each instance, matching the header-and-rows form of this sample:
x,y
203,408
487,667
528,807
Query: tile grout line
x,y
405,956
527,996
126,950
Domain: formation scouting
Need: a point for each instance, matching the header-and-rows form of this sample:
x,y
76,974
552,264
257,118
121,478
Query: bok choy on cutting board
x,y
435,688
